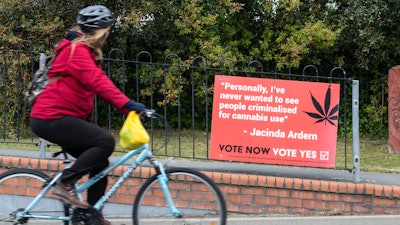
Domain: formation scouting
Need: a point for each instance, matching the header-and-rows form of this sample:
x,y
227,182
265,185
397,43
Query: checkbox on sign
x,y
324,155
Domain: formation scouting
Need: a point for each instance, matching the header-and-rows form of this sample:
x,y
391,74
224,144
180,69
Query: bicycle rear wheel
x,y
195,195
18,187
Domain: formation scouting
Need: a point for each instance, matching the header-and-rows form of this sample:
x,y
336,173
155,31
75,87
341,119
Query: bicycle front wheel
x,y
18,188
196,196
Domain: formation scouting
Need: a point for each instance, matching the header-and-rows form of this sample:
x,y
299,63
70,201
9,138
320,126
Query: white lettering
x,y
302,136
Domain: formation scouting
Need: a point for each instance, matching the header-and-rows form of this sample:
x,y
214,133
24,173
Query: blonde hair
x,y
95,40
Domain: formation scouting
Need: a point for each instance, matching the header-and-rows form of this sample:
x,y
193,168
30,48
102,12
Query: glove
x,y
134,106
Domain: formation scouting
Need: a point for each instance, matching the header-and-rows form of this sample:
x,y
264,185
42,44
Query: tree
x,y
359,35
369,45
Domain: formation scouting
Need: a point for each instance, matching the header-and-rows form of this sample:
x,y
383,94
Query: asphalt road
x,y
323,220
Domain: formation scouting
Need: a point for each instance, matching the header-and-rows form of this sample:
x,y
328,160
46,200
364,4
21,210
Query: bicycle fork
x,y
163,180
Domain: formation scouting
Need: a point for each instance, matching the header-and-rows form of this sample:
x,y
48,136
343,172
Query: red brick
x,y
279,182
392,210
302,194
247,199
277,209
24,162
234,179
396,191
266,200
253,180
43,164
333,186
307,185
253,191
226,178
278,192
327,196
383,202
388,191
244,180
291,203
339,206
230,189
316,185
5,161
360,188
217,177
252,209
118,171
314,204
352,198
298,184
123,199
302,211
145,172
128,182
325,186
342,187
55,165
132,191
362,208
289,183
15,162
271,181
351,187
261,181
377,209
369,189
232,207
378,190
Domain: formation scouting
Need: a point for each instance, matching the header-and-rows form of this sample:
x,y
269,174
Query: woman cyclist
x,y
59,113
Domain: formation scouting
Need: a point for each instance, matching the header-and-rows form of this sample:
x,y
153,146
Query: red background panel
x,y
274,121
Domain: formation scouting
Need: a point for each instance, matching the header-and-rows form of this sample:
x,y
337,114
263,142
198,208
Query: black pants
x,y
90,144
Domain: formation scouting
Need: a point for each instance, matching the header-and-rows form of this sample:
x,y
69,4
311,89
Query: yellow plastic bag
x,y
132,134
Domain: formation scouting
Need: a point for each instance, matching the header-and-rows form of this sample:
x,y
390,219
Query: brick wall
x,y
259,193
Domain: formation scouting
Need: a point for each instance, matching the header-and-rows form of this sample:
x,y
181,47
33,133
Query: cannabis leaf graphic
x,y
324,114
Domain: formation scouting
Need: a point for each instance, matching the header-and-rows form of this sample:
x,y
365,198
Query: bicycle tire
x,y
195,195
18,187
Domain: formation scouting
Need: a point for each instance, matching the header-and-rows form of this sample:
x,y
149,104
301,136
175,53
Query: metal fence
x,y
179,90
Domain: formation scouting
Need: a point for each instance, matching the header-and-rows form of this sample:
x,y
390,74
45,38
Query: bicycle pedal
x,y
86,216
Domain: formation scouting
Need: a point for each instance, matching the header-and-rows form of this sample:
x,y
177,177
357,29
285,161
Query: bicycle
x,y
189,196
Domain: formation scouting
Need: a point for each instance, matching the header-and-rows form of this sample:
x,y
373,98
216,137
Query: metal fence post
x,y
42,142
42,148
355,127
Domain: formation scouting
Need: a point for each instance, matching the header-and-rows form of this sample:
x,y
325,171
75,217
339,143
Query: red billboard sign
x,y
274,121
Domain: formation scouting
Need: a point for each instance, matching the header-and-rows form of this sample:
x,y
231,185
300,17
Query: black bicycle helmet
x,y
94,17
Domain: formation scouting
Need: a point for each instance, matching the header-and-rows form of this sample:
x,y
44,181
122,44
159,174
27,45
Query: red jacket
x,y
73,94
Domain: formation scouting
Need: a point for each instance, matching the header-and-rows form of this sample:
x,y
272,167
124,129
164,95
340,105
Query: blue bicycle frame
x,y
143,153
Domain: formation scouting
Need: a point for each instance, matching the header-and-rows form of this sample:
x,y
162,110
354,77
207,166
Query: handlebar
x,y
148,113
